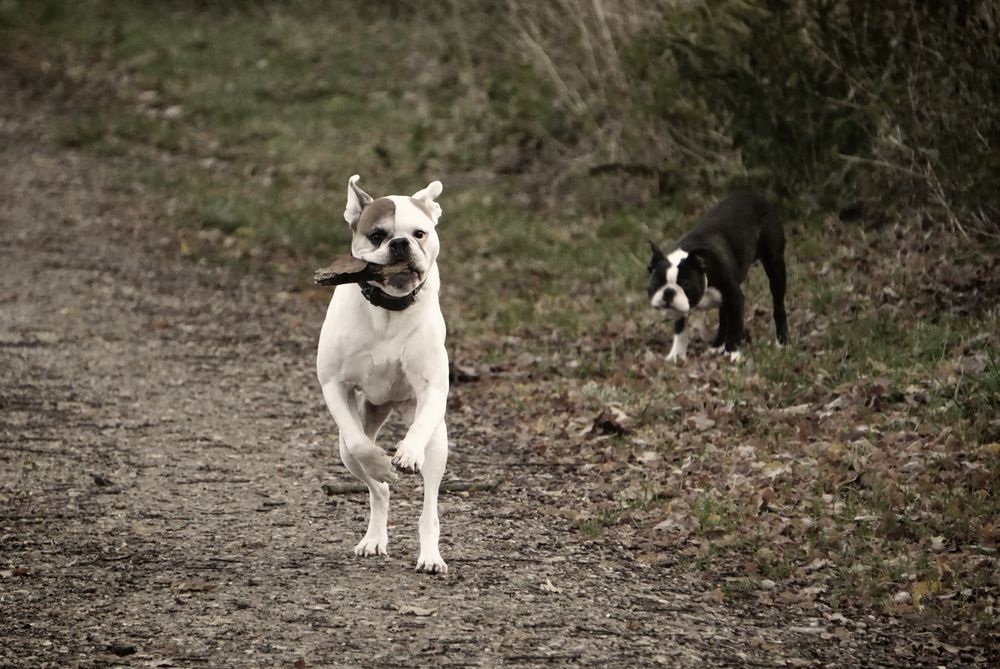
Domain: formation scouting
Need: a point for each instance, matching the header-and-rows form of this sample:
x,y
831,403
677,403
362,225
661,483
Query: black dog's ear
x,y
657,258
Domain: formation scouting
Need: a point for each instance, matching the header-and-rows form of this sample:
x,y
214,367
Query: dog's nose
x,y
400,248
668,296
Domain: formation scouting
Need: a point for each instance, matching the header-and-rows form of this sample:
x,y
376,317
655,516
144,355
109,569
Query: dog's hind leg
x,y
435,459
771,251
376,539
343,405
774,266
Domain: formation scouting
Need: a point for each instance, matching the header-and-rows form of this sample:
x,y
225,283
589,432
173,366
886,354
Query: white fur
x,y
658,302
678,351
680,302
372,361
357,199
427,196
678,307
674,258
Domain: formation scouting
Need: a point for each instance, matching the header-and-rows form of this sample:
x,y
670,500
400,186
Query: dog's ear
x,y
357,200
656,259
426,199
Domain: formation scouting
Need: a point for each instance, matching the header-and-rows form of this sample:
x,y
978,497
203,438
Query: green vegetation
x,y
860,462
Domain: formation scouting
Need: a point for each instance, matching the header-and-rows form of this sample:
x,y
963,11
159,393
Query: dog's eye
x,y
376,237
419,234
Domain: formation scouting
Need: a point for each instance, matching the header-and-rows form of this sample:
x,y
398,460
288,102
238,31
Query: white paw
x,y
372,545
379,467
735,356
408,457
717,350
431,563
674,356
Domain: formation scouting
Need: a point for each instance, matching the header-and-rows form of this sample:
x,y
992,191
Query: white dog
x,y
382,348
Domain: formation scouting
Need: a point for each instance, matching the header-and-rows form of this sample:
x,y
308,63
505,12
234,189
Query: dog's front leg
x,y
425,449
732,303
679,348
719,343
343,406
430,559
429,414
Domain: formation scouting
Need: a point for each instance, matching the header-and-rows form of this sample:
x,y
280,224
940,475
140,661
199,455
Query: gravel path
x,y
163,445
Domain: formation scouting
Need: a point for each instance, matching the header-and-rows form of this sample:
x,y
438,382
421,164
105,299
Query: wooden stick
x,y
446,486
469,486
348,269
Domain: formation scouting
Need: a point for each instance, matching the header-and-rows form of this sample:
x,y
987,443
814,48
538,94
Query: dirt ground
x,y
163,445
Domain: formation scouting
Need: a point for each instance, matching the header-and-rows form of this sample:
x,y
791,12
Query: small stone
x,y
122,649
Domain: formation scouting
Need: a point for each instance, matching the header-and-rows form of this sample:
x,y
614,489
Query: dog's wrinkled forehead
x,y
381,210
389,210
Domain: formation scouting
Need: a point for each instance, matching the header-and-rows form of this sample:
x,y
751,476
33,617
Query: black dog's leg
x,y
720,336
679,348
732,302
774,266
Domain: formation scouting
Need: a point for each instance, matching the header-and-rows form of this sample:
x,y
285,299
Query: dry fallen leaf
x,y
922,588
140,529
716,596
700,422
548,587
611,420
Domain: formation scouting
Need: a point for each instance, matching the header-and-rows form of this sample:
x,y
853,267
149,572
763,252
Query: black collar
x,y
379,298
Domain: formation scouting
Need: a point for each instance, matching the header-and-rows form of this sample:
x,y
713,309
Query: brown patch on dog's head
x,y
379,210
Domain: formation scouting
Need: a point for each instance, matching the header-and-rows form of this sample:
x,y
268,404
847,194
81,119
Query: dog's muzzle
x,y
399,250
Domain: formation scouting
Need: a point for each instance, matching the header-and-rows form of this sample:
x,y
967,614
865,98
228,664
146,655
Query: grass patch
x,y
593,528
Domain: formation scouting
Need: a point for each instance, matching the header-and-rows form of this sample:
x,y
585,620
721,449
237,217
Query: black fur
x,y
735,233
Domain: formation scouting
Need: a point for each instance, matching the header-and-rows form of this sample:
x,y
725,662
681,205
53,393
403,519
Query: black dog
x,y
709,266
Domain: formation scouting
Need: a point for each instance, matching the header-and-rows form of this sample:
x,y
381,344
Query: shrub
x,y
882,108
885,110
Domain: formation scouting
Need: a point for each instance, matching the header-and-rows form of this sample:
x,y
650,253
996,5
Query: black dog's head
x,y
676,281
